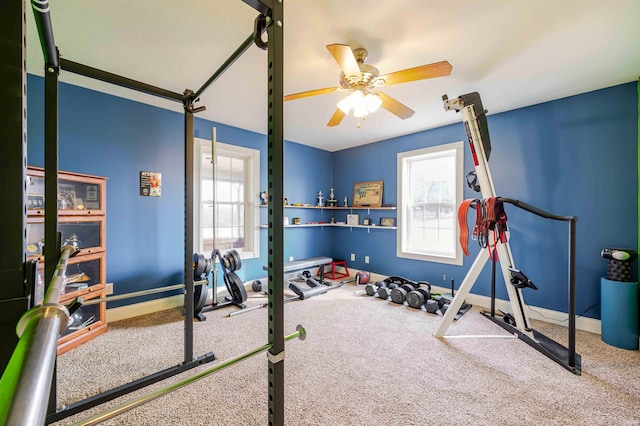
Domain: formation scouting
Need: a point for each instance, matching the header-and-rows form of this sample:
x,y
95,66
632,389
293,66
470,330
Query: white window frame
x,y
251,158
403,160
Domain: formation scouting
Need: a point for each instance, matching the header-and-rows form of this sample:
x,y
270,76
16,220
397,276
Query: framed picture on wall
x,y
387,221
367,194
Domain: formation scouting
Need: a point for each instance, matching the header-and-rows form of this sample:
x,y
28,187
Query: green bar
x,y
26,383
127,406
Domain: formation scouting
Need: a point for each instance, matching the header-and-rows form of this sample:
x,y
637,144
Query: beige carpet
x,y
365,362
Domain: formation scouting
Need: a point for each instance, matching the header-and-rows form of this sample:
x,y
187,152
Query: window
x,y
234,222
429,192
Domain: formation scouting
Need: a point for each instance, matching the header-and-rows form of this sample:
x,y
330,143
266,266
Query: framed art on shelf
x,y
367,194
387,221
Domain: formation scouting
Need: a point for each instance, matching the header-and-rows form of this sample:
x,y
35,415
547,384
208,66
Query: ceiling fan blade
x,y
336,118
397,108
310,93
437,69
343,54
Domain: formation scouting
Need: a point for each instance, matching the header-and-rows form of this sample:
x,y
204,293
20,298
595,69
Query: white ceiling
x,y
515,53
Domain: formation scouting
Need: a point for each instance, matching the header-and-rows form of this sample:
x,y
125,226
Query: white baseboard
x,y
560,318
144,308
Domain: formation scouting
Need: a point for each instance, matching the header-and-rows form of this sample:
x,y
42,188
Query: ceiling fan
x,y
363,80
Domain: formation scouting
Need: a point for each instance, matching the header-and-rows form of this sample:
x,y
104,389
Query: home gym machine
x,y
516,322
230,263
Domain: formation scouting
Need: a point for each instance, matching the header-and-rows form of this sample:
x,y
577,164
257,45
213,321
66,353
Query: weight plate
x,y
425,283
237,261
407,288
425,292
226,262
208,268
199,263
398,295
236,287
199,298
231,261
415,299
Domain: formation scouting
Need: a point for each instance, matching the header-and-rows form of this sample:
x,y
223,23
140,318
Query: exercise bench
x,y
311,262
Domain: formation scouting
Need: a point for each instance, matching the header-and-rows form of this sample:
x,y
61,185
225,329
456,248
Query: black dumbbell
x,y
437,305
399,294
372,289
385,291
432,306
418,297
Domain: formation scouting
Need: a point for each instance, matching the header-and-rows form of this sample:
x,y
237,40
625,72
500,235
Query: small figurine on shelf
x,y
320,199
264,197
345,201
331,201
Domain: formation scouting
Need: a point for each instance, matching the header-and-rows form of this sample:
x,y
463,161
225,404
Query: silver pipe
x,y
214,139
139,293
25,386
127,406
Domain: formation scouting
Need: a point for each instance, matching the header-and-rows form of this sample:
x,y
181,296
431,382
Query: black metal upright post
x,y
51,236
188,229
51,243
13,140
572,292
275,167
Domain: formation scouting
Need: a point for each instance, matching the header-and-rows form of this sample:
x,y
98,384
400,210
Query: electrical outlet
x,y
353,257
290,258
366,259
109,288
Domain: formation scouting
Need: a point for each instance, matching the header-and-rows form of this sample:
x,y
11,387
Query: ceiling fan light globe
x,y
360,111
345,104
372,101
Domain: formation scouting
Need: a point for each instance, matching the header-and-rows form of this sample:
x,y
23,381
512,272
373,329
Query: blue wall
x,y
573,156
109,136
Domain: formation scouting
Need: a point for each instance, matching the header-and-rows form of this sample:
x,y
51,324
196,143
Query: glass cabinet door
x,y
82,318
85,274
84,324
78,194
86,234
